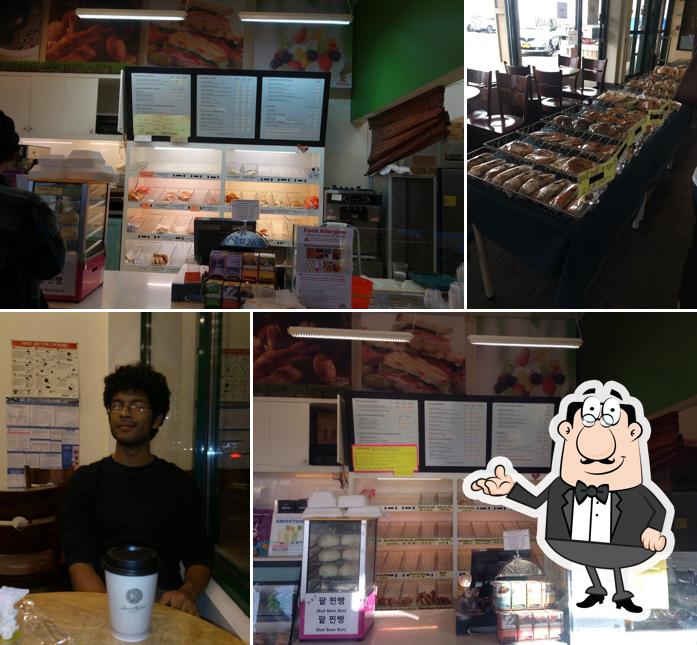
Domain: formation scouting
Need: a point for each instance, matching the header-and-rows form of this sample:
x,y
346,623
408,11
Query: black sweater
x,y
157,506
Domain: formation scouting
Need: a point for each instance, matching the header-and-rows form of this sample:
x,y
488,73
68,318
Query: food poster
x,y
20,29
305,48
522,371
72,40
41,433
288,366
44,369
433,362
210,36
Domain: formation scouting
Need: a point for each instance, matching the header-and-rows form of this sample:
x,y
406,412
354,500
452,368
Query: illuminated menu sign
x,y
161,105
291,108
226,106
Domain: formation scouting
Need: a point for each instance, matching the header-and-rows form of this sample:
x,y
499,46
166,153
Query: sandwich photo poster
x,y
521,371
433,362
20,30
72,40
211,36
305,48
288,366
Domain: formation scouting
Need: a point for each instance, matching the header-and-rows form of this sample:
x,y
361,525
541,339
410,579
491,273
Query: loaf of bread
x,y
582,124
481,169
328,571
329,540
479,159
542,156
329,555
351,555
553,137
607,130
350,540
565,197
576,165
348,569
519,148
549,192
578,205
534,184
504,176
562,120
516,182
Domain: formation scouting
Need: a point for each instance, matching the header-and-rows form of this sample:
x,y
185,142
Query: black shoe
x,y
592,599
628,605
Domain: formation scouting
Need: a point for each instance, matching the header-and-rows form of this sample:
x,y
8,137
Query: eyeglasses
x,y
134,408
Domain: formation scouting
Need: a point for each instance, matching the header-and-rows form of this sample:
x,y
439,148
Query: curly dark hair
x,y
142,377
9,139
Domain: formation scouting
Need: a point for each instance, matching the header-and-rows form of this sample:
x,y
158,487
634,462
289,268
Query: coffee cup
x,y
131,582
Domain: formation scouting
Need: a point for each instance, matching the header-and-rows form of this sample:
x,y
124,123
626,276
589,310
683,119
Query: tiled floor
x,y
643,270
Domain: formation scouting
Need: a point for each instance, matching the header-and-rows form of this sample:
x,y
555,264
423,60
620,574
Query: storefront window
x,y
547,29
590,35
480,19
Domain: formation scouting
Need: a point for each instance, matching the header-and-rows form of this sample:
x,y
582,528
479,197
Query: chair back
x,y
515,95
569,61
42,476
594,70
518,70
30,555
548,85
482,80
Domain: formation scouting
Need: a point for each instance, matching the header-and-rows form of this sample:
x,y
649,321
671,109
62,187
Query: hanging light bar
x,y
299,18
525,341
129,14
374,335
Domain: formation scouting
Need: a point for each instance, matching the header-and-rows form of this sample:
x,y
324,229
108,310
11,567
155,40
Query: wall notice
x,y
44,369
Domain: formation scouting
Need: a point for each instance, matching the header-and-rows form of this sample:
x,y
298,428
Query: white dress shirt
x,y
591,520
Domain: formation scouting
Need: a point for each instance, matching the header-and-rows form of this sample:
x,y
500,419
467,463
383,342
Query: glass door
x,y
546,29
593,16
648,35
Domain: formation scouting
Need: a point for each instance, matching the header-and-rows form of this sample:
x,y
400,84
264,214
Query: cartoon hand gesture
x,y
498,485
653,540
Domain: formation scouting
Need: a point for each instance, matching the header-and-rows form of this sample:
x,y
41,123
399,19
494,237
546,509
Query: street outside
x,y
483,54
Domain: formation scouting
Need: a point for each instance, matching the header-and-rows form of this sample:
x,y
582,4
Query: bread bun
x,y
518,148
577,165
489,175
582,124
509,174
542,156
552,137
565,197
481,169
329,540
479,159
536,182
562,120
549,192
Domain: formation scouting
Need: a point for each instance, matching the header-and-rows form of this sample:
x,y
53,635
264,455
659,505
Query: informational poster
x,y
44,369
41,433
455,433
245,210
516,540
291,108
286,535
323,267
226,106
521,432
329,614
234,384
401,460
161,105
385,421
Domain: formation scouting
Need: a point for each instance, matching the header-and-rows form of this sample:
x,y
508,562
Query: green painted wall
x,y
654,355
399,46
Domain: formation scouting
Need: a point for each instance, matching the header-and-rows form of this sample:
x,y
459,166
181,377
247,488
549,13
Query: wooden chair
x,y
482,81
551,95
43,476
570,61
592,70
518,70
30,555
515,101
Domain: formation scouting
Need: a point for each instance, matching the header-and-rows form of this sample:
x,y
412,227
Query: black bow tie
x,y
599,492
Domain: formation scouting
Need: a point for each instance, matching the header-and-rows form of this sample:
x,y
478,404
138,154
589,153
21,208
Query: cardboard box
x,y
267,268
216,264
250,267
231,295
423,165
233,266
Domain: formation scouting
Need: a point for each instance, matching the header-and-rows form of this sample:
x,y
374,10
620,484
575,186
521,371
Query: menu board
x,y
390,421
226,106
291,108
161,105
455,433
520,431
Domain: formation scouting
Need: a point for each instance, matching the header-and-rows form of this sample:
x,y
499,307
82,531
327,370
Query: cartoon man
x,y
603,510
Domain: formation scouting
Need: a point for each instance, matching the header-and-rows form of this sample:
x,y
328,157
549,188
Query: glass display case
x,y
169,186
81,209
273,613
338,578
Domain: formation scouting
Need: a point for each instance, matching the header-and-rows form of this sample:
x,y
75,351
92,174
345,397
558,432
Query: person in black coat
x,y
31,247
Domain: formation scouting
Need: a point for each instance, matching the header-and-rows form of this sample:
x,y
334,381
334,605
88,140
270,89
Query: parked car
x,y
544,37
481,23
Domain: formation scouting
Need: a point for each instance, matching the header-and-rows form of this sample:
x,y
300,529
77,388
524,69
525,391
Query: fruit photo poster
x,y
522,371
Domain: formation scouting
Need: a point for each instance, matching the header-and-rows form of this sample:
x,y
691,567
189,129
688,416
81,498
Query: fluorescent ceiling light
x,y
300,18
269,152
326,333
129,14
525,341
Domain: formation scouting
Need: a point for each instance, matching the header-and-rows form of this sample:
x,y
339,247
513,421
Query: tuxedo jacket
x,y
633,510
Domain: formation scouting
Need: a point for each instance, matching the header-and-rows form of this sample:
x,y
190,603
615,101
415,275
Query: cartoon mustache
x,y
607,461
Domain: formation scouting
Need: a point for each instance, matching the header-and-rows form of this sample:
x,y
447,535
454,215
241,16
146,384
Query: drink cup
x,y
131,582
399,271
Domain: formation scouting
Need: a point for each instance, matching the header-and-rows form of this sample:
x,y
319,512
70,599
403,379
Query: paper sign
x,y
245,210
175,126
449,200
329,614
286,535
518,540
400,459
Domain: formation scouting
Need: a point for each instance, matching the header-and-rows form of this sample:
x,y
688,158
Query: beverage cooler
x,y
169,186
337,592
81,210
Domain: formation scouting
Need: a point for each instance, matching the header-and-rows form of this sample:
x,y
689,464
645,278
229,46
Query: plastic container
x,y
361,292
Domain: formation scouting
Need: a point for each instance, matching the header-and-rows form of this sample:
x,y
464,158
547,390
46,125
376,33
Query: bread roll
x,y
482,168
490,174
329,540
350,540
565,197
549,192
351,555
518,148
582,124
577,165
516,182
542,156
536,183
562,120
329,555
328,571
479,159
508,174
554,137
348,570
578,205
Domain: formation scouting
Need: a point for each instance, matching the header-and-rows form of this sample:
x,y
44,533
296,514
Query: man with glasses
x,y
134,497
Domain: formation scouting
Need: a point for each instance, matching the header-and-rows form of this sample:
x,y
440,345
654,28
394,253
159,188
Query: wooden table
x,y
471,92
85,617
569,71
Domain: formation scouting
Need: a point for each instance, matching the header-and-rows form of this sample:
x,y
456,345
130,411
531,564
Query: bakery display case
x,y
169,186
337,586
274,613
81,210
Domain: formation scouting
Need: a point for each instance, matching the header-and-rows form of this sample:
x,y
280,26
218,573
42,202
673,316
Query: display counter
x,y
571,252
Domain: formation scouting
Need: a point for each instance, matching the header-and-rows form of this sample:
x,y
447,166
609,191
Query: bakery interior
x,y
205,359
429,557
144,183
594,210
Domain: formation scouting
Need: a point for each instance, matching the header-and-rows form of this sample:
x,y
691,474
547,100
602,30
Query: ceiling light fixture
x,y
129,14
525,341
299,18
374,335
